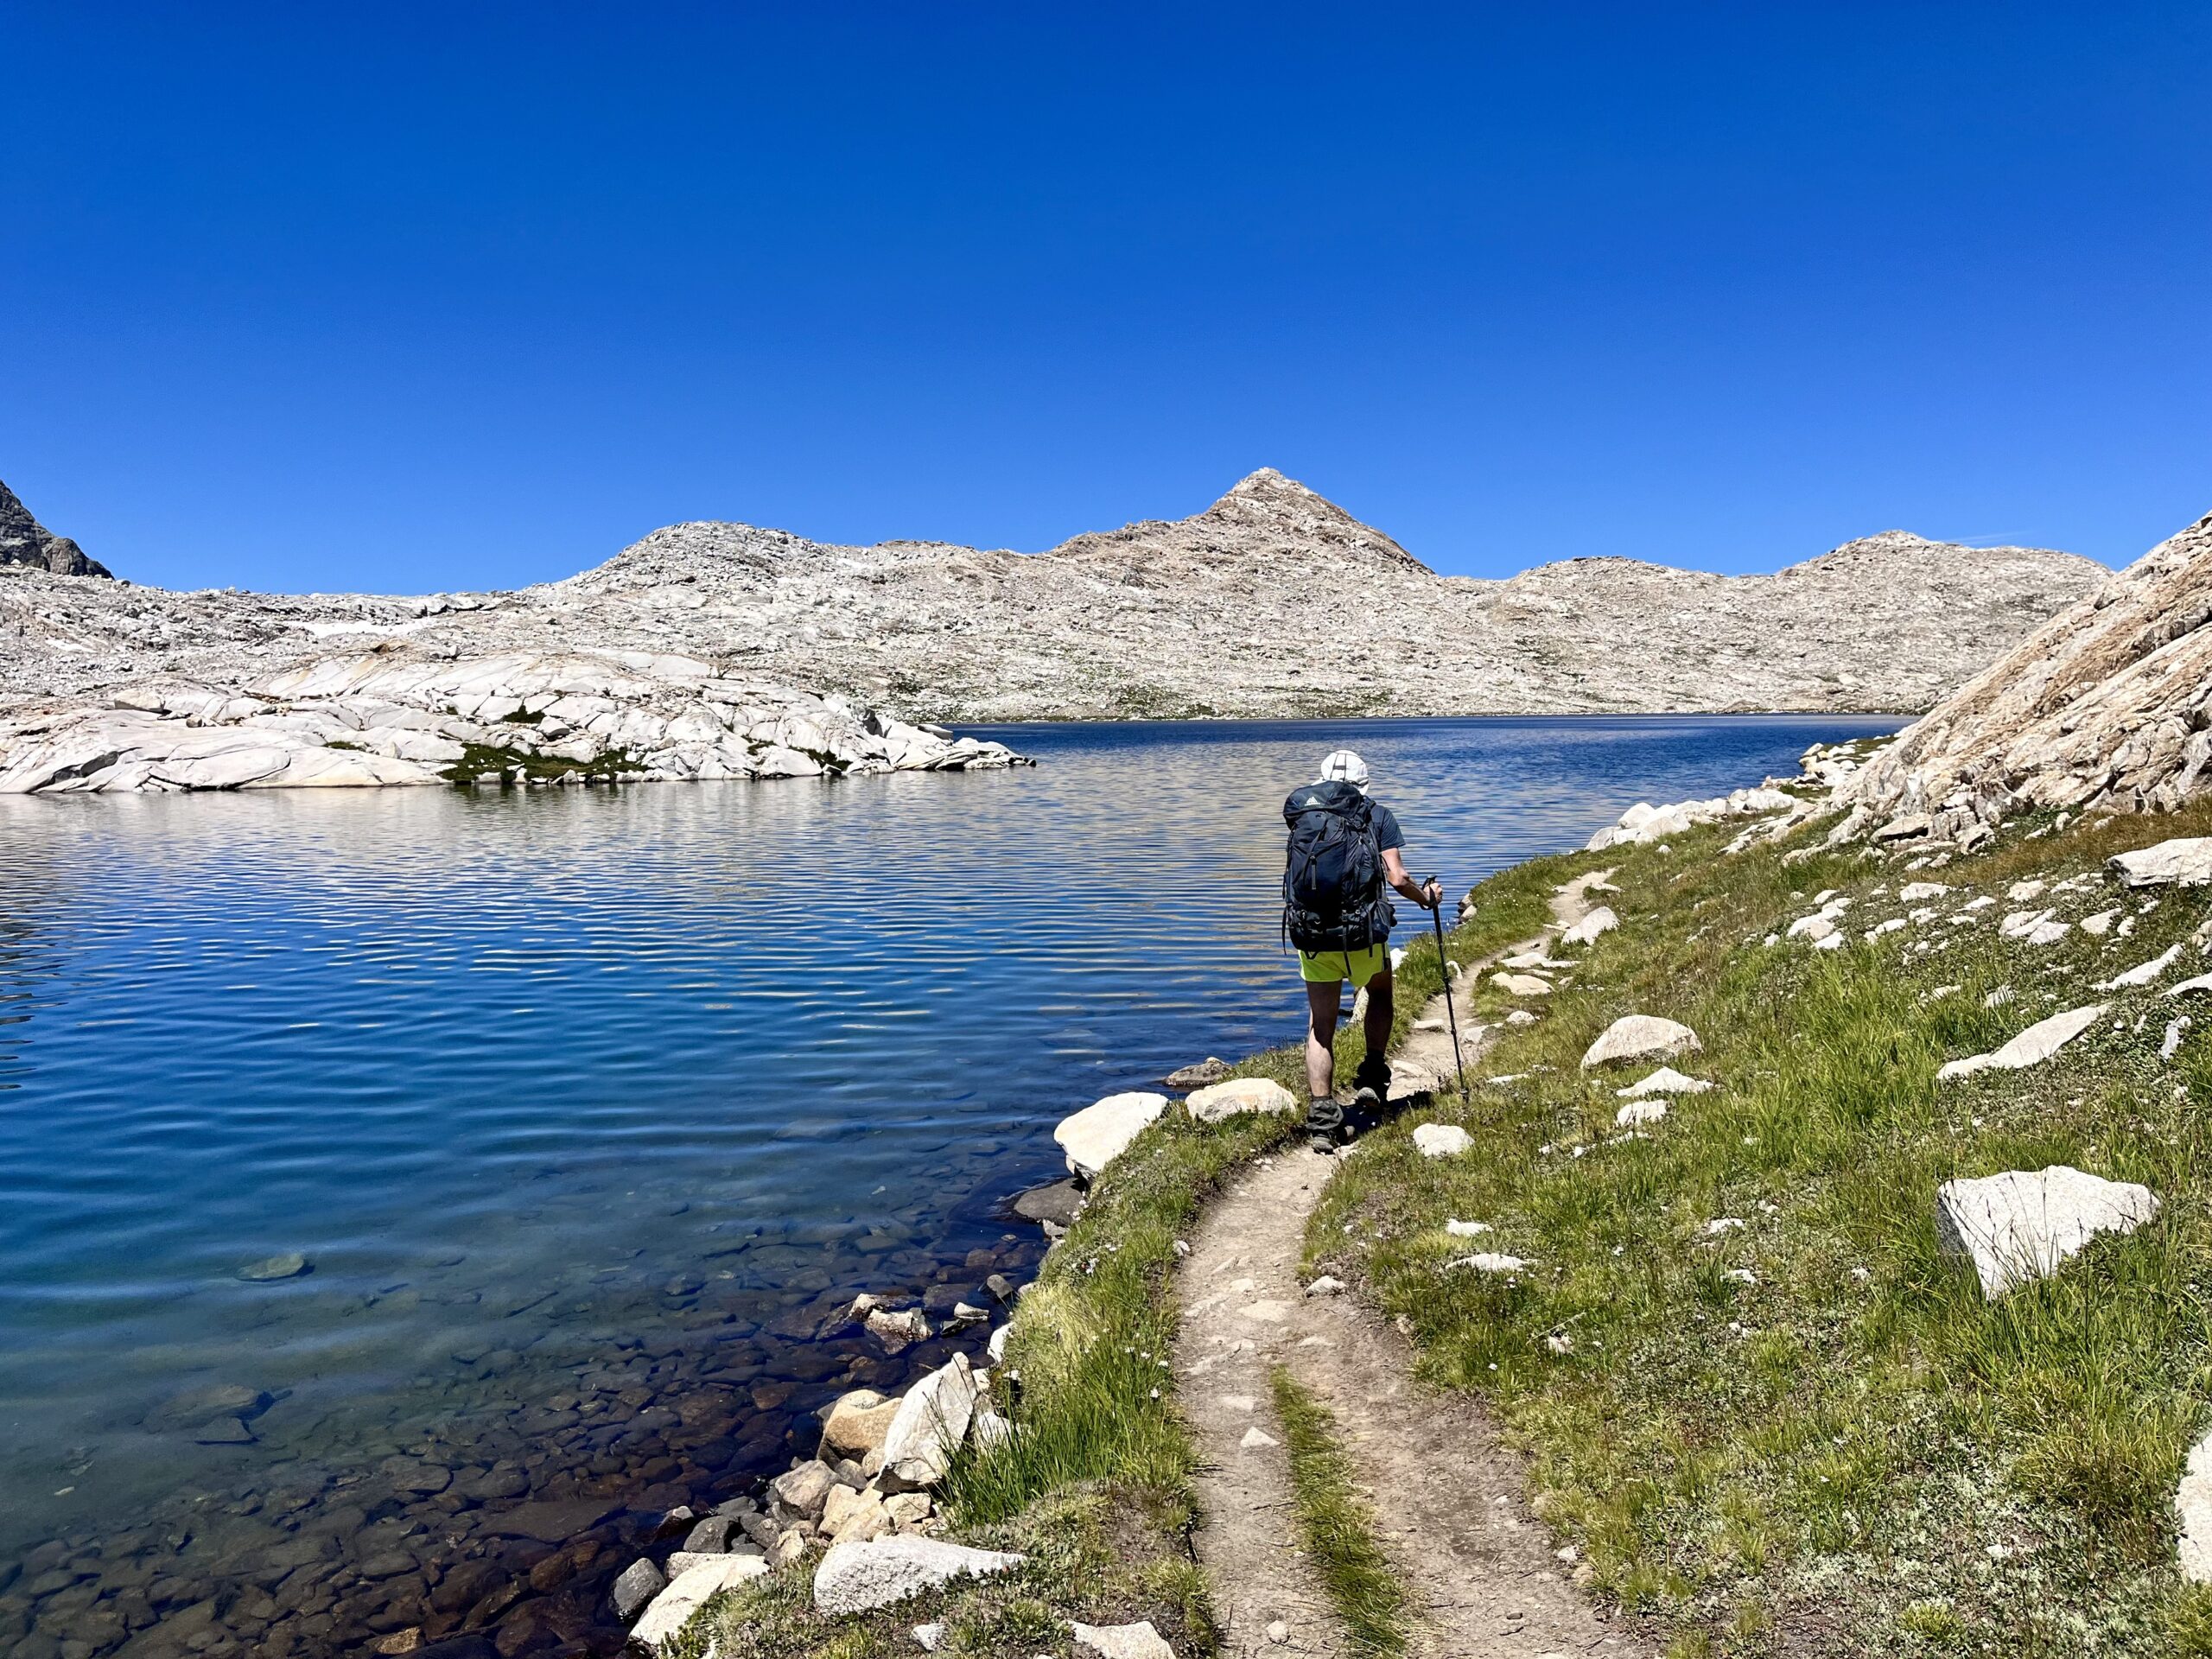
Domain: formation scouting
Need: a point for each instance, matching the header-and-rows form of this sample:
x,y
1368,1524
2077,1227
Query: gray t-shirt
x,y
1387,833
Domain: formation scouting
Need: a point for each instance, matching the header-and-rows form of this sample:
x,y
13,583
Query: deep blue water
x,y
505,1064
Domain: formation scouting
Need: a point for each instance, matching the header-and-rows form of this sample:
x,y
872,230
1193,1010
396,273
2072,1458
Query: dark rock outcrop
x,y
23,540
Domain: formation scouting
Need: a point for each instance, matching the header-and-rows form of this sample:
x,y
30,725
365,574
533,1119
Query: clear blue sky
x,y
414,298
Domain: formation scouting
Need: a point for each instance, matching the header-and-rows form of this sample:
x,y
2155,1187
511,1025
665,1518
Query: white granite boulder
x,y
1491,1261
1644,823
2144,972
2185,861
931,1424
1598,922
1101,1132
2193,1514
1637,1112
1121,1641
1521,984
2031,1047
1641,1037
1221,1101
858,1578
688,1592
1665,1081
2023,1224
1442,1140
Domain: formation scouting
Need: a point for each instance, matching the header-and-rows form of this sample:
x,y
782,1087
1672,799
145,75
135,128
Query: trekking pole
x,y
1444,967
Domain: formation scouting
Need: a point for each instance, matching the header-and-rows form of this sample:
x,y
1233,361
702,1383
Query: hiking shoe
x,y
1371,1084
1324,1123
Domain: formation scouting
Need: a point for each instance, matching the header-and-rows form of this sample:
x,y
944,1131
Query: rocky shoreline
x,y
392,718
861,1503
502,1528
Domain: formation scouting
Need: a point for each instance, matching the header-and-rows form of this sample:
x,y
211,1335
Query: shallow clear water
x,y
539,1079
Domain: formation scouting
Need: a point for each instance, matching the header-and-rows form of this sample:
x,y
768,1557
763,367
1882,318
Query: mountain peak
x,y
1268,506
23,540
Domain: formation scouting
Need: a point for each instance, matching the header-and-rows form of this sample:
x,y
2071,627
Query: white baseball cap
x,y
1343,766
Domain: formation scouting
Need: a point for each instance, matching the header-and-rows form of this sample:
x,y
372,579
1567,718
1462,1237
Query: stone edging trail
x,y
1449,1500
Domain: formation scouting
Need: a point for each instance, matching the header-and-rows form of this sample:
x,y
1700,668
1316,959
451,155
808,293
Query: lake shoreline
x,y
330,1467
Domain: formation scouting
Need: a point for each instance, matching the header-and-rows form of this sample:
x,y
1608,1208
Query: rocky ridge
x,y
1273,602
24,541
2104,707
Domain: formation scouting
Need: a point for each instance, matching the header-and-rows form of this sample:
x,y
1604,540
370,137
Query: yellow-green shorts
x,y
1327,967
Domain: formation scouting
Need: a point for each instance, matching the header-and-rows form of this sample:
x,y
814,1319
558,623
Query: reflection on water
x,y
589,1110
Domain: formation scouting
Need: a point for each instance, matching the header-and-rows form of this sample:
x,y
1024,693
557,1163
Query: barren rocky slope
x,y
1272,601
25,541
2105,707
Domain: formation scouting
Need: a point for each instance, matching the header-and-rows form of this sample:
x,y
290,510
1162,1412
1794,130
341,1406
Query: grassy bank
x,y
1808,1433
1096,1485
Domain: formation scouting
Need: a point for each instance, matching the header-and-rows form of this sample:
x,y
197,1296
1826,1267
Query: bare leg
x,y
1322,1002
1378,1011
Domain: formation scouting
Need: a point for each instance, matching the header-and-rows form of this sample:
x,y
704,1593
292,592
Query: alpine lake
x,y
409,1196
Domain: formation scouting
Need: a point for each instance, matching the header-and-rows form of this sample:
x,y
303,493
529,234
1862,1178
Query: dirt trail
x,y
1448,1499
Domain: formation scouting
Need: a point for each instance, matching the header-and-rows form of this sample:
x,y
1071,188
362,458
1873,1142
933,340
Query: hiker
x,y
1344,849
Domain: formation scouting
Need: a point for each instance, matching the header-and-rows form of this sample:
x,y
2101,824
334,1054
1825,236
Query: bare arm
x,y
1394,867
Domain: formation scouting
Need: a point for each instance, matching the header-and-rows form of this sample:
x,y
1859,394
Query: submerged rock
x,y
199,1406
271,1269
1210,1070
1057,1201
2023,1224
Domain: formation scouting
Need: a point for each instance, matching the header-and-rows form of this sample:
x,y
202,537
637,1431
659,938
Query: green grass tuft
x,y
1338,1525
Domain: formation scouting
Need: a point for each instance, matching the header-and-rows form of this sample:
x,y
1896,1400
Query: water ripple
x,y
491,1044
